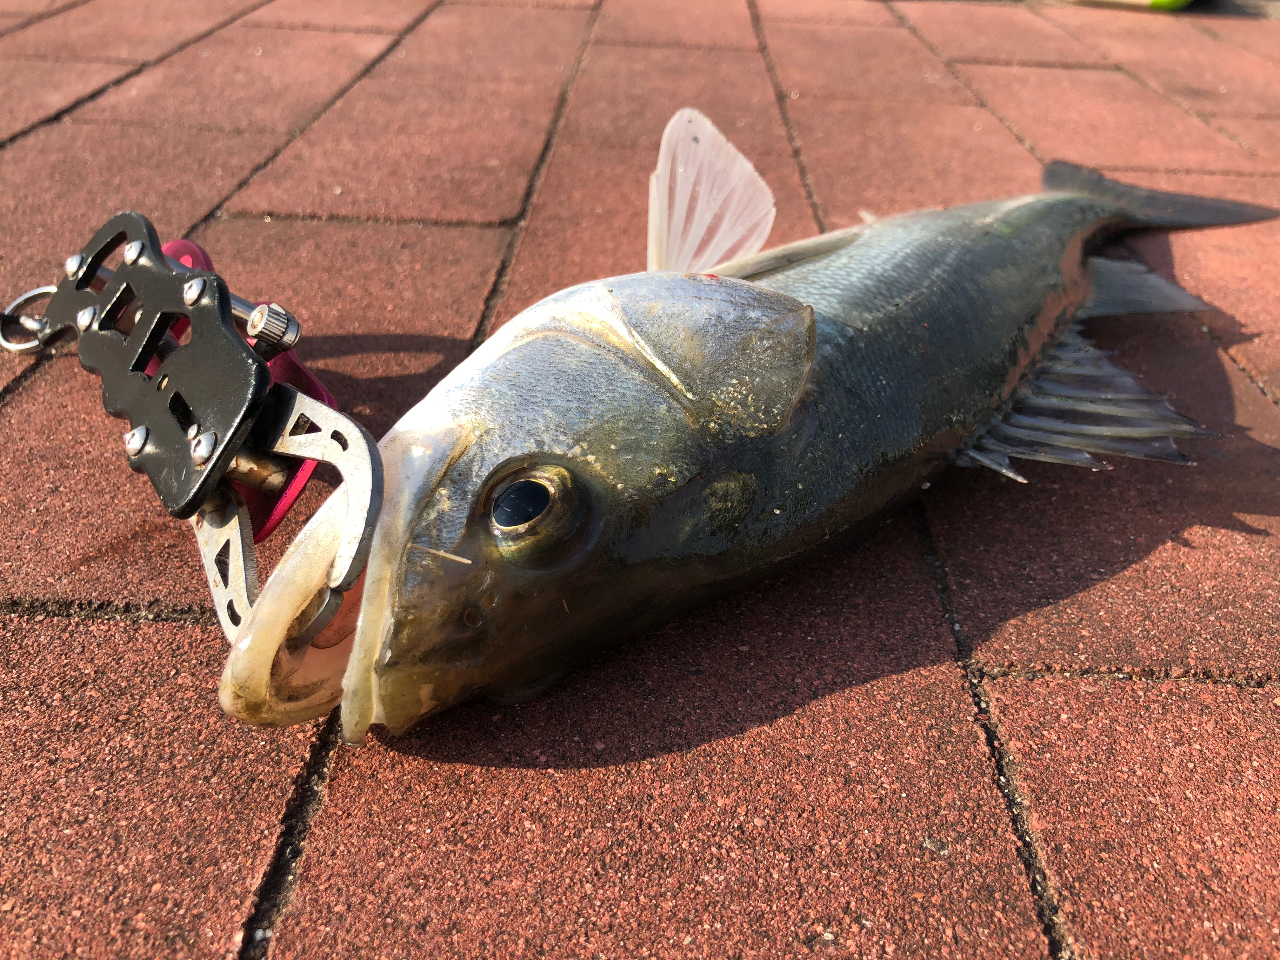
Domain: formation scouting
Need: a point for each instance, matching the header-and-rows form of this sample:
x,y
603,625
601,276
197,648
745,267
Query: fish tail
x,y
1152,209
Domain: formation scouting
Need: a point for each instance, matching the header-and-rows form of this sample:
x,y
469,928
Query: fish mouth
x,y
266,681
414,463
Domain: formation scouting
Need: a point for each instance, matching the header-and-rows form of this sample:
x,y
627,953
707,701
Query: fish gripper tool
x,y
224,419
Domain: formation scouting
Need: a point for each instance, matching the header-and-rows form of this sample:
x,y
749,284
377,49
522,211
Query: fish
x,y
630,447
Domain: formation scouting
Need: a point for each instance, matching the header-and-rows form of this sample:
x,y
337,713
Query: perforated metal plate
x,y
208,382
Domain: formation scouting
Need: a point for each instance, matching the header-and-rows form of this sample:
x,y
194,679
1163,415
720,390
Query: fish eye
x,y
521,503
537,514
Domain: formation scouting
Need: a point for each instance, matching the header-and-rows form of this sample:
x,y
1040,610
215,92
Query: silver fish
x,y
629,447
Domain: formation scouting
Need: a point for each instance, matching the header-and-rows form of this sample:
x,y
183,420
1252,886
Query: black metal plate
x,y
215,380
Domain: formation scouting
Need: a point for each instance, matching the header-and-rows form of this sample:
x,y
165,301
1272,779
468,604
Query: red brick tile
x,y
36,90
1233,269
1147,567
248,79
590,219
875,156
484,45
386,310
981,31
1261,135
63,181
1204,73
1260,36
453,153
387,16
1102,118
439,151
119,31
677,23
857,13
796,761
624,97
859,63
1155,808
136,820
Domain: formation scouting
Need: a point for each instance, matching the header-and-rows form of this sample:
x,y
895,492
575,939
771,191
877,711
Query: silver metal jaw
x,y
301,428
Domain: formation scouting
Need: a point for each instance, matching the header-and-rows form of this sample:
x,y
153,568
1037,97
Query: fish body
x,y
629,447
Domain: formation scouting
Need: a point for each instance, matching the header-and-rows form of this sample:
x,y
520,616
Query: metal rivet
x,y
135,440
132,251
202,448
84,319
192,290
74,264
193,431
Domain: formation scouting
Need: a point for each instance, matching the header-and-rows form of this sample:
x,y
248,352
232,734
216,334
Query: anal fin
x,y
1078,406
1127,286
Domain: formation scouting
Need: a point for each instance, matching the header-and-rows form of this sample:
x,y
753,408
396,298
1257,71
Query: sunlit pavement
x,y
1014,721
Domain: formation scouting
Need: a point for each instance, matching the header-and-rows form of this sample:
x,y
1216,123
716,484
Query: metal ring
x,y
26,346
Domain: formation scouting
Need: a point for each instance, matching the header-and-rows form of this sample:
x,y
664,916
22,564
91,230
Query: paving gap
x,y
129,75
325,108
1042,892
780,95
1203,118
955,75
275,892
42,15
319,28
1197,677
1192,172
498,290
342,218
152,612
1041,64
669,45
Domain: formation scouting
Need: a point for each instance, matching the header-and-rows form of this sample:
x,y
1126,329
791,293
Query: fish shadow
x,y
831,628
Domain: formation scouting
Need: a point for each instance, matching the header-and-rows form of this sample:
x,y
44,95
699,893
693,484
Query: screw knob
x,y
275,326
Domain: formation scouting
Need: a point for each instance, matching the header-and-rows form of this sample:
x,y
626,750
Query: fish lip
x,y
414,460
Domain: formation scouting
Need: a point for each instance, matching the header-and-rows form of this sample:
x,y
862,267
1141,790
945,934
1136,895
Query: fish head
x,y
537,503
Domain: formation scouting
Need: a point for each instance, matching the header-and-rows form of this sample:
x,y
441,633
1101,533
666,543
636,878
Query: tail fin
x,y
1152,209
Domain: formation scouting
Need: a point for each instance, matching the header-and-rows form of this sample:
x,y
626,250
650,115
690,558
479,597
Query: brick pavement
x,y
1015,721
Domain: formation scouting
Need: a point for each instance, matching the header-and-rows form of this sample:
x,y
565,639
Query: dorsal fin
x,y
707,204
1076,405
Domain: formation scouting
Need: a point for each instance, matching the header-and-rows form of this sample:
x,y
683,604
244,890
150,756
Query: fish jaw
x,y
263,683
414,461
